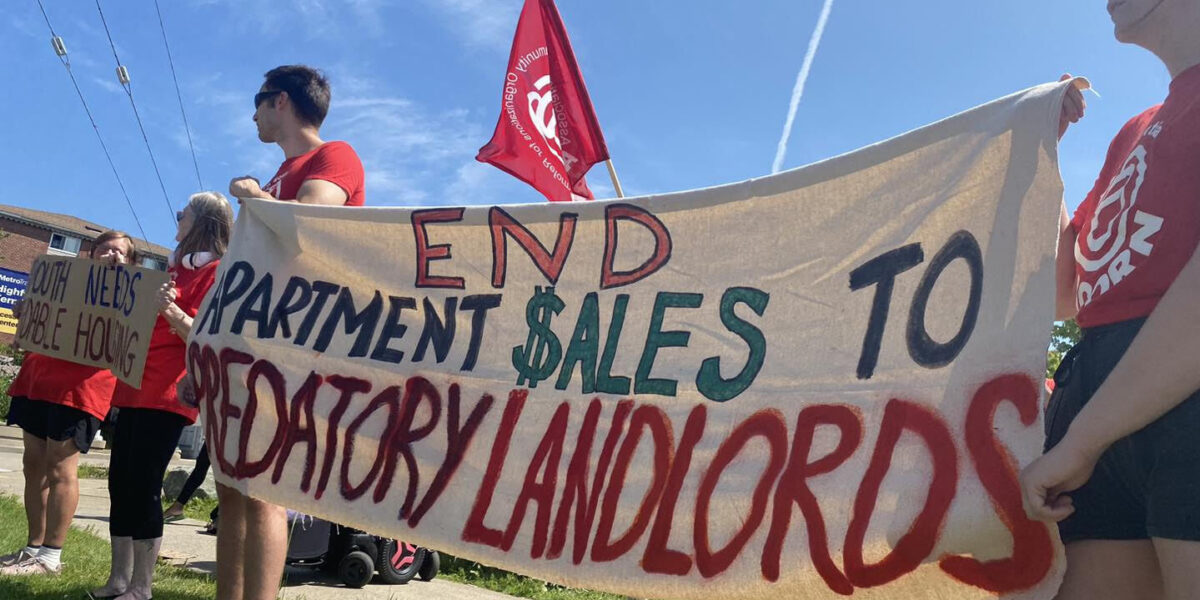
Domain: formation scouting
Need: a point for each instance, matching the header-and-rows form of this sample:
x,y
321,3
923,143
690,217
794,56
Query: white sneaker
x,y
31,566
16,557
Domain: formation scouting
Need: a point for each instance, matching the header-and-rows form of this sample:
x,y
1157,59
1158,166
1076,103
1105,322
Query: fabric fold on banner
x,y
813,384
547,134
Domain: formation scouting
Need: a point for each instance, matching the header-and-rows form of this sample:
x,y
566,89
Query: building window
x,y
154,263
64,245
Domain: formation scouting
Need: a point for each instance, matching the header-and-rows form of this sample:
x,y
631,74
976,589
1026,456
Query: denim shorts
x,y
1146,484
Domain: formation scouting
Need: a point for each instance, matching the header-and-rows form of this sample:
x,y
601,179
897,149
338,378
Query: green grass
x,y
497,580
86,563
87,471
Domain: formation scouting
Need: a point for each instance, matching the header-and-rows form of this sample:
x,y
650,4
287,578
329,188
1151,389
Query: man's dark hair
x,y
306,86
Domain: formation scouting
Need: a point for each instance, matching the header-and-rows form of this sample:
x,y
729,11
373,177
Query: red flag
x,y
547,135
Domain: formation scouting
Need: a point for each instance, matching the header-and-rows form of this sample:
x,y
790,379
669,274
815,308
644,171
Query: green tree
x,y
1065,334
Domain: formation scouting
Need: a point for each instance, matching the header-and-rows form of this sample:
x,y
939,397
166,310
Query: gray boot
x,y
145,556
121,571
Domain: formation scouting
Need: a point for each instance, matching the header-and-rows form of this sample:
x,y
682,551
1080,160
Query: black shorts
x,y
50,421
1145,485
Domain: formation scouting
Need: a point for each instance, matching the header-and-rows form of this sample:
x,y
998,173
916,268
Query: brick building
x,y
32,233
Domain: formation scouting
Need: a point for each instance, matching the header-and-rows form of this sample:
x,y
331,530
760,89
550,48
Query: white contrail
x,y
799,89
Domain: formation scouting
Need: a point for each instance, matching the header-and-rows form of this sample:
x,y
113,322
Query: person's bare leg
x,y
265,548
1113,570
1180,564
36,487
62,474
231,537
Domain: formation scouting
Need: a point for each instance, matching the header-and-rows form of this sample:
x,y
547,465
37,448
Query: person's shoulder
x,y
194,282
1140,120
340,154
1133,128
208,270
196,266
338,148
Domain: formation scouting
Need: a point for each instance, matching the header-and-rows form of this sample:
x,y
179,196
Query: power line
x,y
187,129
61,51
123,77
44,16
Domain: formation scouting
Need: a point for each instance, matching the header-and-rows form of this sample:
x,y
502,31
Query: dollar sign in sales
x,y
539,357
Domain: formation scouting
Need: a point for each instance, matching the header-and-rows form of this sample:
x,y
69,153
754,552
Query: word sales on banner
x,y
90,312
813,384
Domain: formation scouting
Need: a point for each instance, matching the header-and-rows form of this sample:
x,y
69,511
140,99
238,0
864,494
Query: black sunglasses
x,y
179,215
259,97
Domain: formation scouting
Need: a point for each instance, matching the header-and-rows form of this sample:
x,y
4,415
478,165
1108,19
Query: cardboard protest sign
x,y
12,288
91,312
813,384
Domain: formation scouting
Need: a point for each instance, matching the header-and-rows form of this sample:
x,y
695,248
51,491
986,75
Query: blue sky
x,y
689,94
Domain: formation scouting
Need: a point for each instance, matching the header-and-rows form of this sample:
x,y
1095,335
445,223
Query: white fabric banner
x,y
813,384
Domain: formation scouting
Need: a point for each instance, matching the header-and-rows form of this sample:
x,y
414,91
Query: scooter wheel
x,y
431,566
356,569
398,562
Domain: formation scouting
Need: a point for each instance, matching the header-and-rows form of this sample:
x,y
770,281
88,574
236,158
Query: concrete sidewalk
x,y
184,545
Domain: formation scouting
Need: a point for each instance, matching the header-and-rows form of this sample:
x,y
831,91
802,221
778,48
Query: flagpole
x,y
612,173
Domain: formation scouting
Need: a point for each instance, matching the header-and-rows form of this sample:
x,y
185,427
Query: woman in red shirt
x,y
1121,472
152,418
60,405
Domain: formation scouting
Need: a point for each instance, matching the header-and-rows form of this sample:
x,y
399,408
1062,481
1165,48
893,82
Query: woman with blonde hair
x,y
152,418
59,405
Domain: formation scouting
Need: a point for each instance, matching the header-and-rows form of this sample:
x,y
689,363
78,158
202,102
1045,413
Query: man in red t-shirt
x,y
288,110
1121,473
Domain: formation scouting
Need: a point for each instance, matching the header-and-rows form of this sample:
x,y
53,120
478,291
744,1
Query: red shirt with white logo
x,y
165,359
58,381
1141,222
334,162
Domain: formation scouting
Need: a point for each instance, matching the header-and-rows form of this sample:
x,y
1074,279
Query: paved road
x,y
184,546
